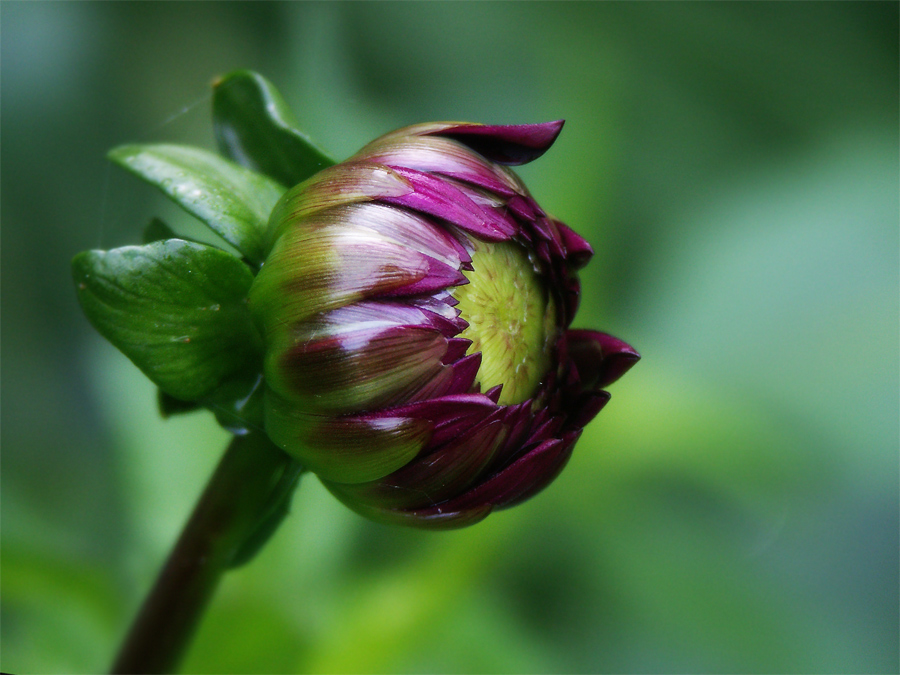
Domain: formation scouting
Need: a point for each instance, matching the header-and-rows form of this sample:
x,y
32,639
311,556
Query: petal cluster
x,y
369,381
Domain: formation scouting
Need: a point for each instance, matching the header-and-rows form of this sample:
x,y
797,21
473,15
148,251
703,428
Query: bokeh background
x,y
735,507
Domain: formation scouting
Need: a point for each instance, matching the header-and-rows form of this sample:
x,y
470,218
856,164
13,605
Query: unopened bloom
x,y
415,304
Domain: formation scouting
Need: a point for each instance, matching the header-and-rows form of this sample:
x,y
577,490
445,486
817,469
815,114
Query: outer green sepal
x,y
255,128
233,201
178,310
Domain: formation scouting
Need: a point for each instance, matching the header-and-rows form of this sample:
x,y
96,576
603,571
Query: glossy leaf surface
x,y
255,128
233,201
176,309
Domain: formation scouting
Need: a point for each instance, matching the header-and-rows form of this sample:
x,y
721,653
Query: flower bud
x,y
415,303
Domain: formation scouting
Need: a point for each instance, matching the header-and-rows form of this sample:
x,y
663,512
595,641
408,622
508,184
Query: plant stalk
x,y
244,500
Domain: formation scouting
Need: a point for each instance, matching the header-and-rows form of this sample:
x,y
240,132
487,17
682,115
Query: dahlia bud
x,y
398,323
415,304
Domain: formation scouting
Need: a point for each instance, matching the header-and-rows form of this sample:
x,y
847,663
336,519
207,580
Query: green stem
x,y
242,504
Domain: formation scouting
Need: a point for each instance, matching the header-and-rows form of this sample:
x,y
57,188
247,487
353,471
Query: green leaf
x,y
177,309
233,201
255,128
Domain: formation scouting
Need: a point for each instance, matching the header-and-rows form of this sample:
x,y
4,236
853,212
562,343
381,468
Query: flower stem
x,y
244,501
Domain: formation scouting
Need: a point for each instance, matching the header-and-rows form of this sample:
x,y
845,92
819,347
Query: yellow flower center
x,y
512,320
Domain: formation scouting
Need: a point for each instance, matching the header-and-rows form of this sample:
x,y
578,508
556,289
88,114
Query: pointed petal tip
x,y
577,249
586,410
512,144
494,393
616,365
600,358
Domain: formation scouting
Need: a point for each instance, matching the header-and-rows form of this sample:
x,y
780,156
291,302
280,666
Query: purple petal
x,y
571,297
437,276
544,465
445,409
464,372
460,241
434,478
494,393
541,225
358,369
578,250
509,144
556,240
543,414
442,313
439,198
600,358
450,415
454,425
542,248
443,156
523,478
345,449
341,265
345,183
384,313
409,229
434,518
551,245
441,303
493,209
522,207
586,409
437,518
518,418
456,349
545,431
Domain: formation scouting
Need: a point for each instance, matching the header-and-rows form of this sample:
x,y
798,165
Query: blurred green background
x,y
735,507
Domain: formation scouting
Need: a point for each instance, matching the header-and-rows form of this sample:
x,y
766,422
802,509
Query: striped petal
x,y
409,229
450,415
443,156
348,449
356,369
434,478
345,183
388,312
340,265
439,198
